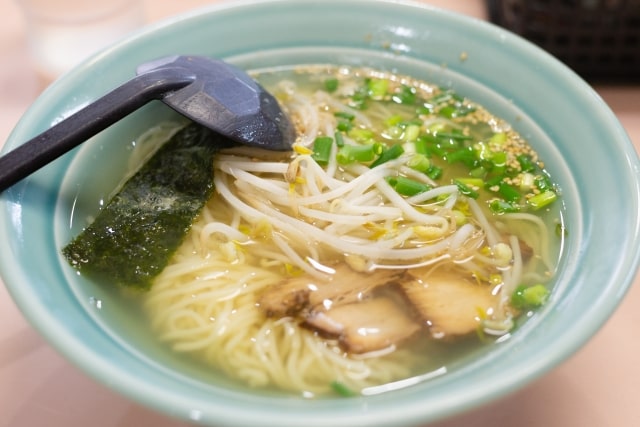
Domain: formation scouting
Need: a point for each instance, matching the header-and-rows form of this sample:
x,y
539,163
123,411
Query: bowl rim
x,y
157,398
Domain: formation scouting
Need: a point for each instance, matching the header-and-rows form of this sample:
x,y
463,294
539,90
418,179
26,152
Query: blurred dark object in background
x,y
598,39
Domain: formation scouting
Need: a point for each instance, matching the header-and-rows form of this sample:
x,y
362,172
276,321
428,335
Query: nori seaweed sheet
x,y
134,236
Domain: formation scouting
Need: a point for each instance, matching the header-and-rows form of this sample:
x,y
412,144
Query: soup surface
x,y
407,230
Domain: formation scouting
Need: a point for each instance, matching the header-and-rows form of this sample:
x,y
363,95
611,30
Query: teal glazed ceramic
x,y
564,119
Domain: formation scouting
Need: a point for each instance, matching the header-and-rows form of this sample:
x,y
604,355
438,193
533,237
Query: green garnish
x,y
411,132
434,172
455,135
501,171
406,95
542,183
331,84
527,297
358,153
471,181
453,111
543,199
465,189
377,88
390,153
394,120
359,98
508,192
344,125
420,146
464,155
498,138
345,121
407,186
498,206
561,230
322,149
361,134
342,389
419,162
344,115
526,164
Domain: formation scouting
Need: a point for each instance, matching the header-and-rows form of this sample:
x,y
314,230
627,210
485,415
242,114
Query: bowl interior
x,y
557,112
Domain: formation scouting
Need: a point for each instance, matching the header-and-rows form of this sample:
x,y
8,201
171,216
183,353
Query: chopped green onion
x,y
407,186
344,115
499,158
509,192
377,88
359,99
482,151
526,181
471,181
529,296
358,153
339,139
526,164
344,126
456,136
342,389
498,138
499,206
437,151
465,189
543,199
406,95
453,111
394,132
411,132
465,156
450,145
437,127
322,149
478,172
561,230
434,172
425,109
390,153
361,134
493,181
448,111
393,120
419,162
542,183
420,145
331,84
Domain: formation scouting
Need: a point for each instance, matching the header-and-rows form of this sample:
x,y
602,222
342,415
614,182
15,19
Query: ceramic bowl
x,y
585,148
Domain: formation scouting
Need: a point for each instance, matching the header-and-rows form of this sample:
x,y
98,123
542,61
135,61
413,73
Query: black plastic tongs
x,y
208,91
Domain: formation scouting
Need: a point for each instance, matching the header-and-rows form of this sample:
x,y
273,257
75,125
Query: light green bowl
x,y
584,146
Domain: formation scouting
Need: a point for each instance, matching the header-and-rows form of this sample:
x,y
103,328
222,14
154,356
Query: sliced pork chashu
x,y
362,327
306,292
345,307
449,304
